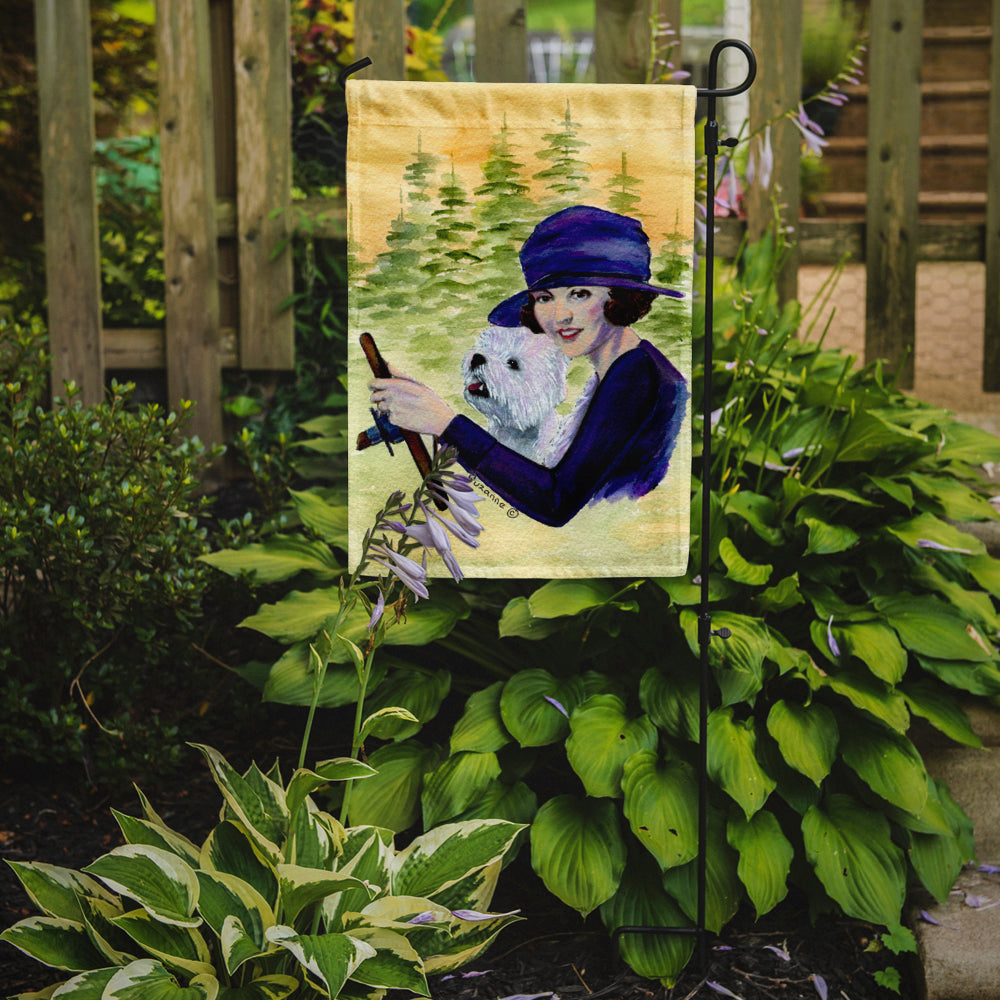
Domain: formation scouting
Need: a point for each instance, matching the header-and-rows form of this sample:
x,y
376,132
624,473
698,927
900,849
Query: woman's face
x,y
573,317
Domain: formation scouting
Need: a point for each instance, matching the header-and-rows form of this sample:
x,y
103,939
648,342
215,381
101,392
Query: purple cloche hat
x,y
581,246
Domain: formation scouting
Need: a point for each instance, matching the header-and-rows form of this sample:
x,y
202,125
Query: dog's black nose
x,y
477,361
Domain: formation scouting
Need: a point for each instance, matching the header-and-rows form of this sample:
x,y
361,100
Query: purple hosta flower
x,y
465,975
927,543
557,704
377,612
531,996
989,869
457,528
812,134
431,535
719,988
459,498
475,915
411,574
782,953
834,648
820,983
727,198
427,917
760,164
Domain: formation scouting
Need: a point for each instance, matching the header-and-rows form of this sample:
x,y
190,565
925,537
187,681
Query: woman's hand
x,y
410,404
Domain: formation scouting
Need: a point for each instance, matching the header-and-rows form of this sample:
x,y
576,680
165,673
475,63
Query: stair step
x,y
954,205
951,52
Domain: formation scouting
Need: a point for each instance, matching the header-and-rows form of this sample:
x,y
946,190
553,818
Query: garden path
x,y
949,350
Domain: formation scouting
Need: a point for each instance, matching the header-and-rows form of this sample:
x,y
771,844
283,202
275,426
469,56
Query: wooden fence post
x,y
623,37
190,250
501,41
991,334
893,164
264,170
72,253
776,32
380,34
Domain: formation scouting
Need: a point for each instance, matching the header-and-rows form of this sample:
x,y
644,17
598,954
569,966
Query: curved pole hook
x,y
712,90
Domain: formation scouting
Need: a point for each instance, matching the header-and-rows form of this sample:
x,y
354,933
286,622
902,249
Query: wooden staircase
x,y
955,93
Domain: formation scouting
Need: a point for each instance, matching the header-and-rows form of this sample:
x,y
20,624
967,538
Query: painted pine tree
x,y
447,259
567,179
622,197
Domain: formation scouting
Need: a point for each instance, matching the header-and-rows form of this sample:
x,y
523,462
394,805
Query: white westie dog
x,y
516,379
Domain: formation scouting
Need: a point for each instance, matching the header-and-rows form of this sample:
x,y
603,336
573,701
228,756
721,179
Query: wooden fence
x,y
224,108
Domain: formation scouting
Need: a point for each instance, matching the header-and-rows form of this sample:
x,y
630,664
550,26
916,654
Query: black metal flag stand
x,y
705,631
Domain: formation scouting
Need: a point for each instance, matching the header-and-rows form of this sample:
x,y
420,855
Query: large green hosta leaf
x,y
559,598
888,763
926,528
807,736
765,858
933,702
577,850
481,727
391,798
738,661
291,680
458,782
739,569
535,706
328,520
723,889
418,691
976,678
850,848
642,902
661,806
670,698
931,628
733,763
602,739
865,692
278,558
876,645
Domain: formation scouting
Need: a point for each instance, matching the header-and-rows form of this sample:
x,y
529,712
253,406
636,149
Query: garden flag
x,y
522,255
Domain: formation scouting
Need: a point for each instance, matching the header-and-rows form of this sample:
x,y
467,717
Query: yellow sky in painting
x,y
458,122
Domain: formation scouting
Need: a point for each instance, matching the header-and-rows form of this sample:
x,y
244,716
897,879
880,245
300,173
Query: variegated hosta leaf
x,y
229,848
661,805
765,858
476,890
732,760
642,902
369,861
56,891
55,941
141,831
300,887
391,799
86,986
723,889
146,979
451,788
441,857
807,736
158,880
98,916
850,847
601,739
535,706
304,782
224,897
578,851
256,801
395,965
315,838
177,947
888,763
481,726
329,959
275,987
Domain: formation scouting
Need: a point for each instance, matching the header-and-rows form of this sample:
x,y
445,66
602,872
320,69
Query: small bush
x,y
99,578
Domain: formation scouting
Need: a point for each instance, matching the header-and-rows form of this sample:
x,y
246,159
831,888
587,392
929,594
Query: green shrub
x,y
279,900
99,580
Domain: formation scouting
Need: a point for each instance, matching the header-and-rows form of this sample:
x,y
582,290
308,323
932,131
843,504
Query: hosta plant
x,y
855,603
280,900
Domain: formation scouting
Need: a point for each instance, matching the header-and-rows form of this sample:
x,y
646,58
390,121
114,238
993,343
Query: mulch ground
x,y
56,818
